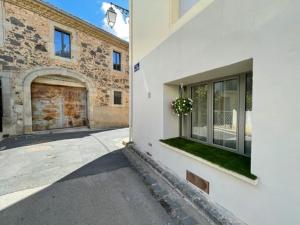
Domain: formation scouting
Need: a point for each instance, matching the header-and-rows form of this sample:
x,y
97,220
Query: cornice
x,y
57,15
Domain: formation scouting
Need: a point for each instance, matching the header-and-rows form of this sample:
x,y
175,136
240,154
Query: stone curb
x,y
215,212
172,207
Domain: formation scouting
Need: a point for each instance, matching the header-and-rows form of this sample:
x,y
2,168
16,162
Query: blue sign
x,y
136,67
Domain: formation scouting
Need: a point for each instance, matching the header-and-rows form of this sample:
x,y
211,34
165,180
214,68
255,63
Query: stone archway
x,y
30,76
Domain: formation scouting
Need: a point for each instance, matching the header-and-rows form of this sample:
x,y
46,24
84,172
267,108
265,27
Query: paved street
x,y
73,178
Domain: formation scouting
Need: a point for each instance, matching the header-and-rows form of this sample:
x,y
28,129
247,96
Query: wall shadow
x,y
27,140
70,200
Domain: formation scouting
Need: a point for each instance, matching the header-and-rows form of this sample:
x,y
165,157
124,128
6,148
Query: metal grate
x,y
223,118
197,181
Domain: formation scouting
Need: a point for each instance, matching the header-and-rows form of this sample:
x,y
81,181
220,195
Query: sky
x,y
93,11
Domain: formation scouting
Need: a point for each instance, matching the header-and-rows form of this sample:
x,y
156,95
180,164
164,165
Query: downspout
x,y
131,72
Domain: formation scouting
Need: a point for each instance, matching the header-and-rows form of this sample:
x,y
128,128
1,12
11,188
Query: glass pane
x,y
225,105
248,114
67,45
117,60
58,43
199,113
114,57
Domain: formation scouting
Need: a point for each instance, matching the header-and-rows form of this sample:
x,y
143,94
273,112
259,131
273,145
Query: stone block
x,y
18,108
41,48
16,22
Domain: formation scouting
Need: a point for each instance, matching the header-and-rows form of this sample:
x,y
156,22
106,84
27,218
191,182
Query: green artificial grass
x,y
226,159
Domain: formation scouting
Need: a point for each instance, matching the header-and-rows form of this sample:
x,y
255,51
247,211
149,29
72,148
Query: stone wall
x,y
29,45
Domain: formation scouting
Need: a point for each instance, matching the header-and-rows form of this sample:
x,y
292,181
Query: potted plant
x,y
182,107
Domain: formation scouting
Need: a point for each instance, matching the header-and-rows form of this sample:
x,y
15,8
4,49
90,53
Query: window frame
x,y
113,98
63,33
241,77
113,58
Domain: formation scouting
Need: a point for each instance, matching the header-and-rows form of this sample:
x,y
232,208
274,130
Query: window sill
x,y
253,180
118,106
60,58
118,71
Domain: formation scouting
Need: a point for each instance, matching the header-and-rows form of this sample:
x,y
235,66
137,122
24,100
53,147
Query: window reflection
x,y
62,42
225,106
199,114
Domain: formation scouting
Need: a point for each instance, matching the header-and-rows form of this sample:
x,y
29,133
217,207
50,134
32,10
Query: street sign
x,y
136,67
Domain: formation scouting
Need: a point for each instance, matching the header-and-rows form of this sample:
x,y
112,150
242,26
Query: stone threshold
x,y
61,130
67,130
216,213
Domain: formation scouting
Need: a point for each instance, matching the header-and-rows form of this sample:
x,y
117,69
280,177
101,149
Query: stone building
x,y
58,71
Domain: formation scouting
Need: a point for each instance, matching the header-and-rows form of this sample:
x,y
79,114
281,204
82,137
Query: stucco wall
x,y
152,26
29,44
227,32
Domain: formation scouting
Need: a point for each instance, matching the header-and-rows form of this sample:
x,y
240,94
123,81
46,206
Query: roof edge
x,y
53,13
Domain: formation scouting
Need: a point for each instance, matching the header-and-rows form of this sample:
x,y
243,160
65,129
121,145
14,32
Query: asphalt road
x,y
73,179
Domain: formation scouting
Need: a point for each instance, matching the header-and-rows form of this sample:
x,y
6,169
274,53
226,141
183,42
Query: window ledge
x,y
210,164
64,59
118,106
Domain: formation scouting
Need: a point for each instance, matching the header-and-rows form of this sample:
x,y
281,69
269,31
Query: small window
x,y
117,60
62,44
117,98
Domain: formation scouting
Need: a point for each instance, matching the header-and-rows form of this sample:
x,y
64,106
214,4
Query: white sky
x,y
121,28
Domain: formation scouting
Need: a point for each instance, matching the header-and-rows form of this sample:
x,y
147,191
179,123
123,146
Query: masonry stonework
x,y
29,45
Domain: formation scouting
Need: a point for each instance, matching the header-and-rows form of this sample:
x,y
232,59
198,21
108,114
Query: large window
x,y
62,44
117,60
222,113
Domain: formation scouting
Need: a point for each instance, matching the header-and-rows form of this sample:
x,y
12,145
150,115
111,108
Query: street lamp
x,y
111,14
111,17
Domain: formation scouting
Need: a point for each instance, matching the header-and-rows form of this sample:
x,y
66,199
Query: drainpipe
x,y
131,71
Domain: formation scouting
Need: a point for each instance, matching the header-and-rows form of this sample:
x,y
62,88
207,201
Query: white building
x,y
219,47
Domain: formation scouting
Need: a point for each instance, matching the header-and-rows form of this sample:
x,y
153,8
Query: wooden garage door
x,y
57,106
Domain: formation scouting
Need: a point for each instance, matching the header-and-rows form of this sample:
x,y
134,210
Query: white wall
x,y
152,26
226,32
